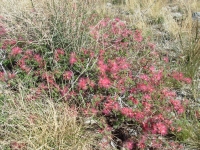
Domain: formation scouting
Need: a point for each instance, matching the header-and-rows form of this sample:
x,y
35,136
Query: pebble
x,y
177,16
196,16
90,121
108,4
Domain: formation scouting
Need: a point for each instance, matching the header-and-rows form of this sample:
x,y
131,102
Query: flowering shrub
x,y
122,79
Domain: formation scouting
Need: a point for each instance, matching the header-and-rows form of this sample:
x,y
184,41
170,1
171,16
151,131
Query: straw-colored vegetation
x,y
41,124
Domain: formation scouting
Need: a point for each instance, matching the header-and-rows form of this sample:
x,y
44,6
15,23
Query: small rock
x,y
108,4
174,9
105,144
113,145
177,16
196,16
90,121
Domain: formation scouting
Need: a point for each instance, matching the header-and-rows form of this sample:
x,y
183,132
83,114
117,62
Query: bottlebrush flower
x,y
177,106
60,51
151,46
144,88
187,80
39,59
114,68
161,128
91,83
122,63
104,82
57,53
67,75
181,110
178,76
146,107
16,51
156,144
141,142
152,69
11,75
115,30
117,20
139,116
166,59
64,90
106,111
25,68
105,36
167,93
101,53
9,42
94,32
128,145
102,66
82,84
126,33
104,22
128,112
144,77
49,78
157,76
43,86
134,100
147,97
73,58
29,52
110,105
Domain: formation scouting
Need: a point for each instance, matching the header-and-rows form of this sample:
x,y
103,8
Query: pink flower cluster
x,y
180,77
15,51
6,76
114,83
8,43
156,125
111,33
109,106
72,58
58,53
177,106
84,83
67,75
104,82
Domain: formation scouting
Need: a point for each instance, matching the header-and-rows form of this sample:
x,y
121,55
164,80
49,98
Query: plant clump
x,y
123,78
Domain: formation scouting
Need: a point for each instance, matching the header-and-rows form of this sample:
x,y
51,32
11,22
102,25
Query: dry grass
x,y
143,15
53,23
40,124
140,12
